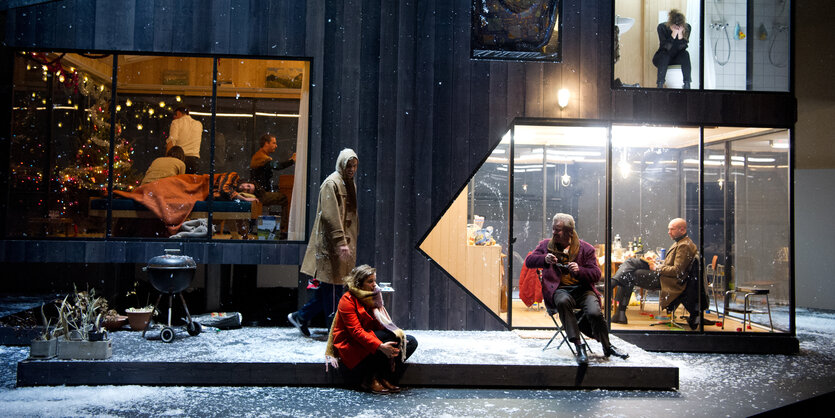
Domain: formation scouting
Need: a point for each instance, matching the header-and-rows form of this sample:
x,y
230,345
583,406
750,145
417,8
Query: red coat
x,y
353,331
530,289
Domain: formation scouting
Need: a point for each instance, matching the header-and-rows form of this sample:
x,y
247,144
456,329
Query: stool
x,y
674,78
746,311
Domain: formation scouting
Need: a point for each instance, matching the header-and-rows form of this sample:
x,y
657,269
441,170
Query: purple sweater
x,y
586,260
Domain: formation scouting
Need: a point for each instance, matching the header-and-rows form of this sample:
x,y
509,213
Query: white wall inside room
x,y
814,242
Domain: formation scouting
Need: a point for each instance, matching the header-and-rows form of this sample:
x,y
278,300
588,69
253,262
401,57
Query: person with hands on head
x,y
364,338
331,251
569,273
673,37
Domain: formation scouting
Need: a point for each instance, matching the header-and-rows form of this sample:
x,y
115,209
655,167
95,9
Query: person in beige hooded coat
x,y
332,249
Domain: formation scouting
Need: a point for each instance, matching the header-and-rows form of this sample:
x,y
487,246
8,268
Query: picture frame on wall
x,y
526,30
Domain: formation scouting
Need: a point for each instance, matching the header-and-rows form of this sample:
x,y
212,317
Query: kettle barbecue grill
x,y
170,274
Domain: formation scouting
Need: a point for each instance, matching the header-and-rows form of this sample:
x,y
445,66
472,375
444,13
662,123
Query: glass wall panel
x,y
747,45
258,98
649,52
150,91
655,179
470,240
60,145
556,169
747,226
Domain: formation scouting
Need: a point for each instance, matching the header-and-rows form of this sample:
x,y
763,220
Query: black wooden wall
x,y
393,80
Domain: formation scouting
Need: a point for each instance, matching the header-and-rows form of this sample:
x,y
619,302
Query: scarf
x,y
566,255
373,302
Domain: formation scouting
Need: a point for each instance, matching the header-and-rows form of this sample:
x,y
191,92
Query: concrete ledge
x,y
736,343
55,373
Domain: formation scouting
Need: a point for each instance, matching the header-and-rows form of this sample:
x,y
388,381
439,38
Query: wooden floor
x,y
647,319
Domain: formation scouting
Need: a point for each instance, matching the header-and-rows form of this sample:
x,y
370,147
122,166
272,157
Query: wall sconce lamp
x,y
562,98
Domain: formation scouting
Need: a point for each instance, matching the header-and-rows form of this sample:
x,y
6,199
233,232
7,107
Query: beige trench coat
x,y
334,226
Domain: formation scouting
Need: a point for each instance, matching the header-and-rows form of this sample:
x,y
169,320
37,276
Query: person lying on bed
x,y
172,199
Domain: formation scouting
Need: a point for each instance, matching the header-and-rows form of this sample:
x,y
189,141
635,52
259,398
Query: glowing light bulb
x,y
161,104
150,111
118,108
178,98
128,103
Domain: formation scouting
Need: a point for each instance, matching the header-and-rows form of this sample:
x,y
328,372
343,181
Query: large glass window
x,y
746,44
657,43
746,227
655,179
556,169
695,244
66,124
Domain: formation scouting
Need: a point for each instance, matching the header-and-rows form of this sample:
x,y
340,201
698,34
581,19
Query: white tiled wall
x,y
771,55
730,76
770,72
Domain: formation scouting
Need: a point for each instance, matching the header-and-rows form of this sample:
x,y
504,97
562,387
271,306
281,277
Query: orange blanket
x,y
172,198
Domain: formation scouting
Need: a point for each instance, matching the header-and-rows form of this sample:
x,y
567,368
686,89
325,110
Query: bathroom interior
x,y
745,43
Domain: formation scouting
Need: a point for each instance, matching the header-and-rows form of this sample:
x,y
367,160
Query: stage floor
x,y
281,356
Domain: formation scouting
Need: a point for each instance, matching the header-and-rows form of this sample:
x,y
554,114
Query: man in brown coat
x,y
332,250
667,277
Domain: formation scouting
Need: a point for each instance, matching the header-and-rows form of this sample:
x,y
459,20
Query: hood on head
x,y
345,155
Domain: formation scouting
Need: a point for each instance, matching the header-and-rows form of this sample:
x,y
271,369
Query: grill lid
x,y
172,260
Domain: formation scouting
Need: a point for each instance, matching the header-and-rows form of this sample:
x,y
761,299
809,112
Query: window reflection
x,y
740,57
64,120
556,169
60,145
654,180
657,44
747,224
470,239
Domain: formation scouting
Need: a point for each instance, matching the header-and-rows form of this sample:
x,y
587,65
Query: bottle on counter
x,y
617,244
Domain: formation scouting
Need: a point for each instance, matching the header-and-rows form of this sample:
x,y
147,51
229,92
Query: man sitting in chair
x,y
668,277
569,273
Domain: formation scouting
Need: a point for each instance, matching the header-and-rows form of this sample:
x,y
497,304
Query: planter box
x,y
84,350
43,349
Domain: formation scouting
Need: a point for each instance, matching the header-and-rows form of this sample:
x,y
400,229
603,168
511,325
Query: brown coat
x,y
674,270
336,224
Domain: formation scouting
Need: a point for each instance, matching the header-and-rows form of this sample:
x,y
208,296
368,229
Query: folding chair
x,y
554,314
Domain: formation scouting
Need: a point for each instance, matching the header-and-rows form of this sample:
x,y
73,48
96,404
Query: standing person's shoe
x,y
297,322
619,317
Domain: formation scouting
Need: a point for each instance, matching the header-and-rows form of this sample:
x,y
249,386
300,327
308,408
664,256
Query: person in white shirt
x,y
186,133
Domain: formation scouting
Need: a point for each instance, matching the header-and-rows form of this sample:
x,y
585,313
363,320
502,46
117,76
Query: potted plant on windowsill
x,y
45,346
80,326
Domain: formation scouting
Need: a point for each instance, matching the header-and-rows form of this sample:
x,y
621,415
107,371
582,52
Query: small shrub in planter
x,y
45,346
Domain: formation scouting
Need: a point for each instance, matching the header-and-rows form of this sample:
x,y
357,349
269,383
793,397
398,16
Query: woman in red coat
x,y
364,338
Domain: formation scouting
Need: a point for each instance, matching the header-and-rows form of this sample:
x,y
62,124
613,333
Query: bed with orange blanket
x,y
174,200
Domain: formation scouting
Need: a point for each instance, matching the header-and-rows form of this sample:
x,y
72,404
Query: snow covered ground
x,y
710,384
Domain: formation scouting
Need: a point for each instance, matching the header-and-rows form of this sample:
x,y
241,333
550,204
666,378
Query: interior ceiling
x,y
639,136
